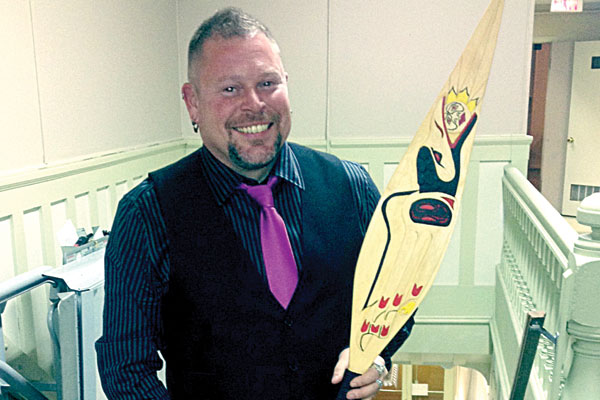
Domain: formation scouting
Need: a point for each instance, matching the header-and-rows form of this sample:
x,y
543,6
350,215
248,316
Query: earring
x,y
195,126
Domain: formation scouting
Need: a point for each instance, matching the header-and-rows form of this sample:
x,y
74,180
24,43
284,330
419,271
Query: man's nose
x,y
252,101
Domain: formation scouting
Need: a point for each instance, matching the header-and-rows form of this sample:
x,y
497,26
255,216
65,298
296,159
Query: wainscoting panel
x,y
35,204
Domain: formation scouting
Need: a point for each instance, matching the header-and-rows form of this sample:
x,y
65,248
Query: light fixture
x,y
566,6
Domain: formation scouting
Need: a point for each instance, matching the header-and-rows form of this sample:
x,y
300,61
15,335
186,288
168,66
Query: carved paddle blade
x,y
410,230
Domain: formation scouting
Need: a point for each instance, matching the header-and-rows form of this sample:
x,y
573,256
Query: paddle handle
x,y
345,384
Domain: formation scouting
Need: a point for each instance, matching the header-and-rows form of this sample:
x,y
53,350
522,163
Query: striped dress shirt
x,y
137,265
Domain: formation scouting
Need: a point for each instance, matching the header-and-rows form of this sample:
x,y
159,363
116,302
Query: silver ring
x,y
379,368
379,383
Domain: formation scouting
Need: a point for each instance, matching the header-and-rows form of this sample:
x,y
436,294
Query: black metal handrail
x,y
534,327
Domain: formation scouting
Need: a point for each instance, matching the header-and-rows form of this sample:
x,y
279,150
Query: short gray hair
x,y
226,23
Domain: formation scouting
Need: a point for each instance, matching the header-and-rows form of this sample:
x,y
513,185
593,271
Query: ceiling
x,y
544,5
560,27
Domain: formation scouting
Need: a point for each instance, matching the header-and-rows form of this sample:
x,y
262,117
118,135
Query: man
x,y
185,274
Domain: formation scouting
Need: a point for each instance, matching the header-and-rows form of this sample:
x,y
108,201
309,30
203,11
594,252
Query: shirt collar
x,y
288,168
223,181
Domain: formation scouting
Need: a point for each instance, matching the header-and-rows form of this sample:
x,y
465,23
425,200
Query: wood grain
x,y
410,230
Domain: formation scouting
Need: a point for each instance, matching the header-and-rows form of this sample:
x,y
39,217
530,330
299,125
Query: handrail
x,y
529,344
535,271
23,283
18,384
10,289
552,222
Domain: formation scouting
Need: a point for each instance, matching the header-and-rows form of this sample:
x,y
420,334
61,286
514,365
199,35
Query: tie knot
x,y
262,194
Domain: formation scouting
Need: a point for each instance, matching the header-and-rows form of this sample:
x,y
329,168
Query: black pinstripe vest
x,y
226,336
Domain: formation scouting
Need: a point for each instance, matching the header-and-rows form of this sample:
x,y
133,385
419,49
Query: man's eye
x,y
229,89
268,83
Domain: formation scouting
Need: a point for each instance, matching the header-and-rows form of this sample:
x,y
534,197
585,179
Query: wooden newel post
x,y
583,326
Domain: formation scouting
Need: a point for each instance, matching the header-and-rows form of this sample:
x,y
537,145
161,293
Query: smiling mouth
x,y
253,129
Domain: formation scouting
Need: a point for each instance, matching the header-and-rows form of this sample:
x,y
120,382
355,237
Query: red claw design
x,y
365,327
384,331
397,300
383,302
416,290
374,328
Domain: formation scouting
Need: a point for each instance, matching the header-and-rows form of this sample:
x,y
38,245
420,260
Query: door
x,y
582,166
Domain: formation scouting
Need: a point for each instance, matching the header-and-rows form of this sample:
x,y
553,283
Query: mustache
x,y
249,118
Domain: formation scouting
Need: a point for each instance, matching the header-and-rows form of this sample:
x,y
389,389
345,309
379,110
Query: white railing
x,y
537,243
542,266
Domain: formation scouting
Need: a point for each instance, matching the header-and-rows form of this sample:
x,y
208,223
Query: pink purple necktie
x,y
280,266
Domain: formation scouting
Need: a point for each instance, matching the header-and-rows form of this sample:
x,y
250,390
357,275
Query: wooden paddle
x,y
411,227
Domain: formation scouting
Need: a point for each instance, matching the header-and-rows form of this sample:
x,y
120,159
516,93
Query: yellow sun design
x,y
461,97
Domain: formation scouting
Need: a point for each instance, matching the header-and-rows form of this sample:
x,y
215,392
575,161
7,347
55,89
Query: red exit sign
x,y
566,5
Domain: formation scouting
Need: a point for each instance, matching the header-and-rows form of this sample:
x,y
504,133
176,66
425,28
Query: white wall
x,y
81,77
386,63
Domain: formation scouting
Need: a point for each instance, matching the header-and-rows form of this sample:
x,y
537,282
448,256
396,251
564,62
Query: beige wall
x,y
563,30
300,27
20,131
556,124
81,77
404,52
386,63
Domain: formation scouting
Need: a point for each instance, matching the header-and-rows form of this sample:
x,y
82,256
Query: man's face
x,y
238,96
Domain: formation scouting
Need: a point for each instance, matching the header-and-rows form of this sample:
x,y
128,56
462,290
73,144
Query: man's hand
x,y
366,385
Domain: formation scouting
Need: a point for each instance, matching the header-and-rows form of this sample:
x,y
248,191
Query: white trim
x,y
465,320
48,172
41,173
483,140
503,382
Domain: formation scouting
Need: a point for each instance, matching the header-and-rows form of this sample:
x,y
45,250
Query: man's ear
x,y
191,100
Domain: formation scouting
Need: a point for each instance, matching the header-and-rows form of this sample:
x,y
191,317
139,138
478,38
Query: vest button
x,y
293,366
288,321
